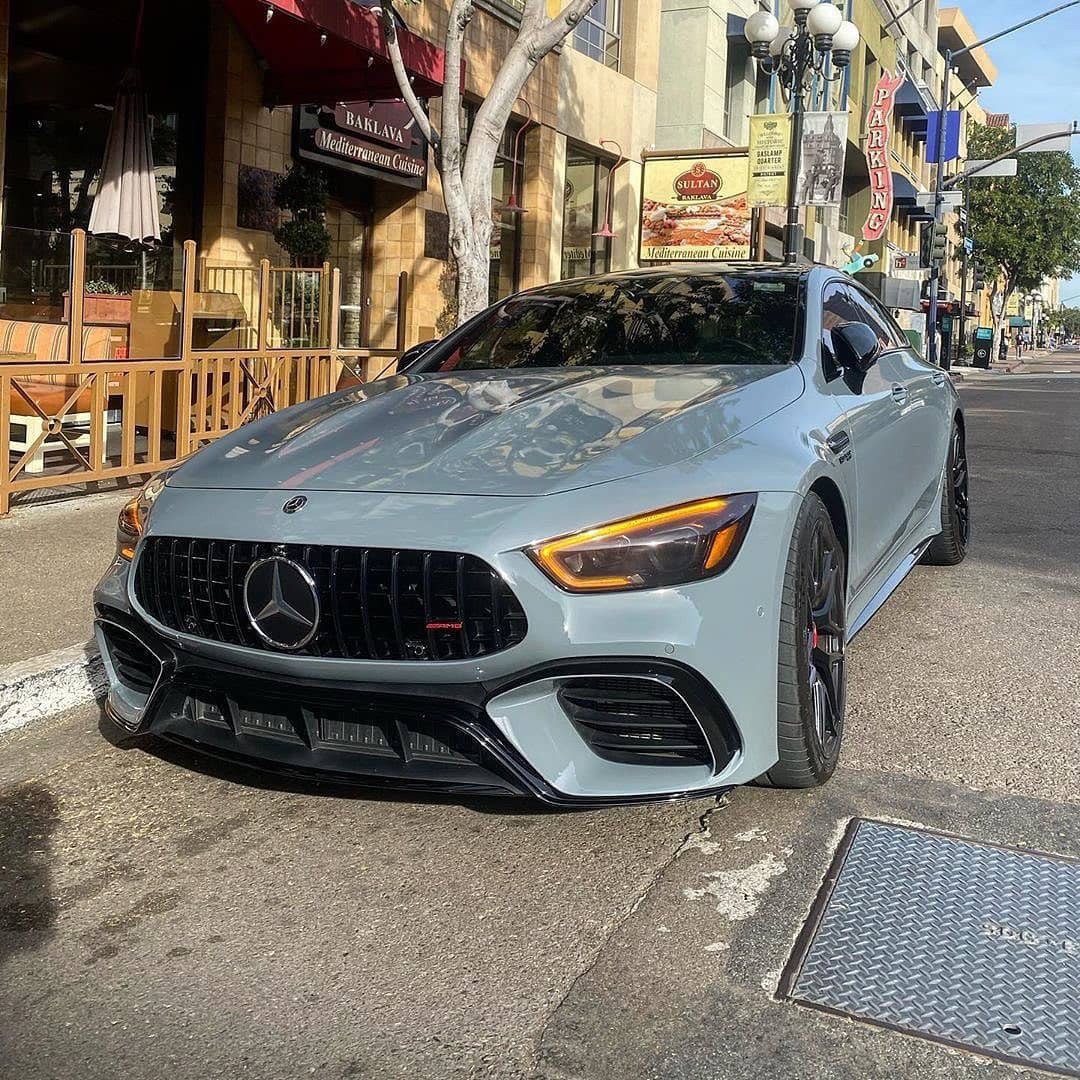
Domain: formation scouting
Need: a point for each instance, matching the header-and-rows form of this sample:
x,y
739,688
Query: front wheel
x,y
949,547
811,681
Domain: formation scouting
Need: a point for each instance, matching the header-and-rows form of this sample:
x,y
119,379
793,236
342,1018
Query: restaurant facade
x,y
241,91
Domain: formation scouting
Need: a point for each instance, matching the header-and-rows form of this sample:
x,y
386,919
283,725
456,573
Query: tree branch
x,y
393,50
541,41
533,15
461,12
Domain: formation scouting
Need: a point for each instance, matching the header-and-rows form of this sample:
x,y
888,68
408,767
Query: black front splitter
x,y
482,763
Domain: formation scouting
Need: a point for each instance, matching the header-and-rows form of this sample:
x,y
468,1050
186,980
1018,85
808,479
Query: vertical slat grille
x,y
375,603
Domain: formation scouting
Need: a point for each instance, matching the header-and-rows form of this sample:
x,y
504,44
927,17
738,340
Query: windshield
x,y
676,319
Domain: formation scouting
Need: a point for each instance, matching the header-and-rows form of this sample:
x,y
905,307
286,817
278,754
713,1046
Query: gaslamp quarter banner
x,y
694,206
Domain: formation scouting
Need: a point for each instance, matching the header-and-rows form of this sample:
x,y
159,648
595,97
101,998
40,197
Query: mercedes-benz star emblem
x,y
281,602
297,502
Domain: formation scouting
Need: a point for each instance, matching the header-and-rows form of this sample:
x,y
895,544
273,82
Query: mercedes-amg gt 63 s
x,y
608,541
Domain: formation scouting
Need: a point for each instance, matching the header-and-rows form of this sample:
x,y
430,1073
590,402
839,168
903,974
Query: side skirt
x,y
892,583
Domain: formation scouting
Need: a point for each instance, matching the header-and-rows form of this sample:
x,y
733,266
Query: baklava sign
x,y
695,208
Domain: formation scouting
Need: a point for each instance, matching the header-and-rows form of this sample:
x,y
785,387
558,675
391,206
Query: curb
x,y
46,685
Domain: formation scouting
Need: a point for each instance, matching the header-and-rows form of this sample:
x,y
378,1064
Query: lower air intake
x,y
135,665
634,721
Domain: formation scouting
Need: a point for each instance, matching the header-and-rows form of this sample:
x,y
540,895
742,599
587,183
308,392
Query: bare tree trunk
x,y
467,182
999,320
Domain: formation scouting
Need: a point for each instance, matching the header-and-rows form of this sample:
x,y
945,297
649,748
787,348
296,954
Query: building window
x,y
597,35
738,57
583,215
504,272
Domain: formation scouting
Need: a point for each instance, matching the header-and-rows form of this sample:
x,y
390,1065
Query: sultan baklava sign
x,y
695,207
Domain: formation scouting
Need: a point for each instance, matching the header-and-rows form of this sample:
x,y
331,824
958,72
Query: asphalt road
x,y
161,917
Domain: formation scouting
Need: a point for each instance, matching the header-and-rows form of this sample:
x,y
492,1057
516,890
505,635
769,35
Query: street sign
x,y
982,168
969,245
1026,133
950,200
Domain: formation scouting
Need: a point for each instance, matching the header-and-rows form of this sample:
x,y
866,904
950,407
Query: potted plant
x,y
303,192
103,304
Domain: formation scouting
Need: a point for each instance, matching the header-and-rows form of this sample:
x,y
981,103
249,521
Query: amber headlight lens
x,y
132,521
664,547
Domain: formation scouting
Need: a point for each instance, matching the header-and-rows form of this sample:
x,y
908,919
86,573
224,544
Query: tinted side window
x,y
899,338
838,308
877,320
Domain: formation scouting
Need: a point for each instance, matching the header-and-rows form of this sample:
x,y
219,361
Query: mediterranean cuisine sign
x,y
376,138
878,129
694,207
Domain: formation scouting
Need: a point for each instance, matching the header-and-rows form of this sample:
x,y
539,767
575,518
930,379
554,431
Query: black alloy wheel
x,y
811,684
949,547
959,479
825,639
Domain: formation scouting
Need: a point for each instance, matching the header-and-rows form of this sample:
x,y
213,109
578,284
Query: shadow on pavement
x,y
28,817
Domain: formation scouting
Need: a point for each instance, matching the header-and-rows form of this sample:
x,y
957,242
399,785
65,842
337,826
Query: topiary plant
x,y
303,192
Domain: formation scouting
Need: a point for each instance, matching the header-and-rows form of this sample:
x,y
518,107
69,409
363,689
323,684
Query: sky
x,y
1038,67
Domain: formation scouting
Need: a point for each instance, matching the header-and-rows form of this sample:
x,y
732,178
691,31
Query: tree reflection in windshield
x,y
735,318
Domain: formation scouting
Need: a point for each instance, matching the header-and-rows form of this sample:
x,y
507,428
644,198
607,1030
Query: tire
x,y
949,547
811,680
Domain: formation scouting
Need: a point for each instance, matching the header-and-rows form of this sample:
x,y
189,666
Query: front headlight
x,y
664,547
133,517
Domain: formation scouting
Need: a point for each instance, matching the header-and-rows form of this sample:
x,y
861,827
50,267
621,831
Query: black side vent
x,y
634,721
135,665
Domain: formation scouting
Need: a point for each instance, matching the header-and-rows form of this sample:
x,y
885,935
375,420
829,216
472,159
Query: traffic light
x,y
980,279
939,242
932,244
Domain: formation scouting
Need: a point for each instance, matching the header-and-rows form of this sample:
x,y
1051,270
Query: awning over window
x,y
324,51
911,107
904,194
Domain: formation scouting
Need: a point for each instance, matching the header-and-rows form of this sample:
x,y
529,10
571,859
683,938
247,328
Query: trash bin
x,y
983,344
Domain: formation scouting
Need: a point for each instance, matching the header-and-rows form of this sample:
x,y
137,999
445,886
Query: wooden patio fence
x,y
119,418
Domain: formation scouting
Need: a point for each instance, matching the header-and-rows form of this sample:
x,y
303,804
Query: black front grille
x,y
375,603
634,721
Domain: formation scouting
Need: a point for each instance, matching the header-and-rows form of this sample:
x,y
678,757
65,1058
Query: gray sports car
x,y
608,541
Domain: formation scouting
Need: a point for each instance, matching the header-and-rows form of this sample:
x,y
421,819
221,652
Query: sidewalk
x,y
51,556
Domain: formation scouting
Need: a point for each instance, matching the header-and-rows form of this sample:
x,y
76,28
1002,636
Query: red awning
x,y
324,51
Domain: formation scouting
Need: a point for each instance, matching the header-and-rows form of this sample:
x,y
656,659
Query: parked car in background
x,y
608,541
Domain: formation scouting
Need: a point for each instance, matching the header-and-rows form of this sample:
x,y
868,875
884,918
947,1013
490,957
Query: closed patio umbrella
x,y
126,204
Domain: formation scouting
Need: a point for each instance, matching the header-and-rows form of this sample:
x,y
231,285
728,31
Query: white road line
x,y
50,684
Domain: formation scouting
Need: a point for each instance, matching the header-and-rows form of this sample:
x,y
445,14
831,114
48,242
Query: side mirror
x,y
411,356
856,346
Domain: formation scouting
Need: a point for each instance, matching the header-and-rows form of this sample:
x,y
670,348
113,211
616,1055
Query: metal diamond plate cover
x,y
966,943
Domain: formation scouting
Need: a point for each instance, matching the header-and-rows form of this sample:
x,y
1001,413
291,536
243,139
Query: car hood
x,y
506,433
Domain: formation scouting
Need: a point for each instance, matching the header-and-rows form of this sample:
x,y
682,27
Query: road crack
x,y
696,838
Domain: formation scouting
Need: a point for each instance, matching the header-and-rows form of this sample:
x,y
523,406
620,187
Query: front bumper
x,y
496,724
435,737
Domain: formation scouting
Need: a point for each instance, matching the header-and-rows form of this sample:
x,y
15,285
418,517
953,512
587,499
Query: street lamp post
x,y
795,57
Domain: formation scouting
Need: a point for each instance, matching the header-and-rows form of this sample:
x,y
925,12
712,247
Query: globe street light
x,y
796,56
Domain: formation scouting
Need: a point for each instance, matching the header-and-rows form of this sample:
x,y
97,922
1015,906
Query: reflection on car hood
x,y
495,433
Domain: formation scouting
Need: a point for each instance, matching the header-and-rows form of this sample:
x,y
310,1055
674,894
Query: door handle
x,y
939,378
900,394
